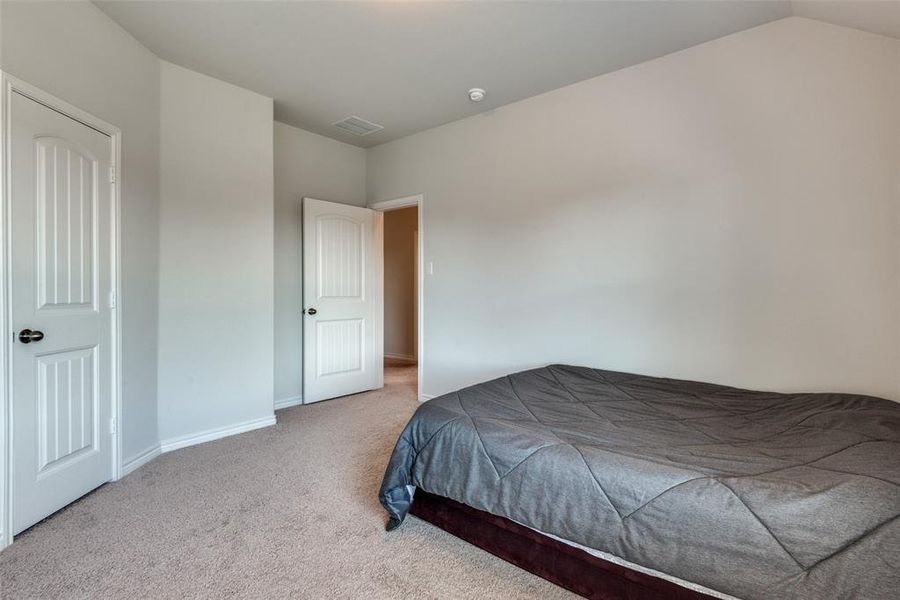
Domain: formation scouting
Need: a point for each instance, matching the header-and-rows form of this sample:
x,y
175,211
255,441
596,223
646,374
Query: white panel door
x,y
61,252
341,285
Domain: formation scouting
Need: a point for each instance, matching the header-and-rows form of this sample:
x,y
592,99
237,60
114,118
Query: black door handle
x,y
311,311
26,336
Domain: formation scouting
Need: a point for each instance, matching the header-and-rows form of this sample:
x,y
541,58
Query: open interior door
x,y
343,348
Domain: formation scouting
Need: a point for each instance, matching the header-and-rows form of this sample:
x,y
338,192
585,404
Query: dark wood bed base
x,y
564,565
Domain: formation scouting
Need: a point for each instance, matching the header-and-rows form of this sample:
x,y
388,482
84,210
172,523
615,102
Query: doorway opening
x,y
402,297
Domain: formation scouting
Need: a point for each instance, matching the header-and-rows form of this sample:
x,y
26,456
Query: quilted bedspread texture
x,y
754,494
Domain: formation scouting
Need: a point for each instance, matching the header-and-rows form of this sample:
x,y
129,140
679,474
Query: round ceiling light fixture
x,y
476,94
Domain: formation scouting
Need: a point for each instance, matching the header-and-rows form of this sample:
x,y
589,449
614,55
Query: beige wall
x,y
400,282
73,51
216,317
727,213
308,165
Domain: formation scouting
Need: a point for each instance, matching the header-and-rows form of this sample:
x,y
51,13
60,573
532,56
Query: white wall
x,y
400,281
216,263
73,51
728,213
308,165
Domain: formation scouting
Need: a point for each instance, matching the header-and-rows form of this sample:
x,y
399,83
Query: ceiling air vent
x,y
357,126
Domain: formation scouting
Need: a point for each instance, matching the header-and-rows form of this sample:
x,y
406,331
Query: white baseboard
x,y
141,459
425,397
288,402
214,434
407,358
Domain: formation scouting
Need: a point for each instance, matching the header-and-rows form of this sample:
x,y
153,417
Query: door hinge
x,y
112,425
112,174
112,299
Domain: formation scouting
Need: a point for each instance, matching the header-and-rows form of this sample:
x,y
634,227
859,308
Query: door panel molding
x,y
8,86
74,261
66,389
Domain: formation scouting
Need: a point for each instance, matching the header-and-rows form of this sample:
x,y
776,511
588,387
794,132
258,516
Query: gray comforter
x,y
754,494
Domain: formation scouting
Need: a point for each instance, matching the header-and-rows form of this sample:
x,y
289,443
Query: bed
x,y
725,492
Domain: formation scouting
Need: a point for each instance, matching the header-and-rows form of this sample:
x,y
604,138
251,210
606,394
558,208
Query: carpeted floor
x,y
284,512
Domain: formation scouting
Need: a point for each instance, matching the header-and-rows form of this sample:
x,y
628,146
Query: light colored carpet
x,y
284,512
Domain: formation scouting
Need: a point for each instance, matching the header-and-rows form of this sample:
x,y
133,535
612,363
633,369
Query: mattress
x,y
751,494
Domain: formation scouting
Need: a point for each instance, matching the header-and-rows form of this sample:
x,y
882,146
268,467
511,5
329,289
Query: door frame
x,y
417,200
10,85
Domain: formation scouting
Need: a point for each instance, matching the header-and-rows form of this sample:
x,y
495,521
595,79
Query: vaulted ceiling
x,y
408,65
